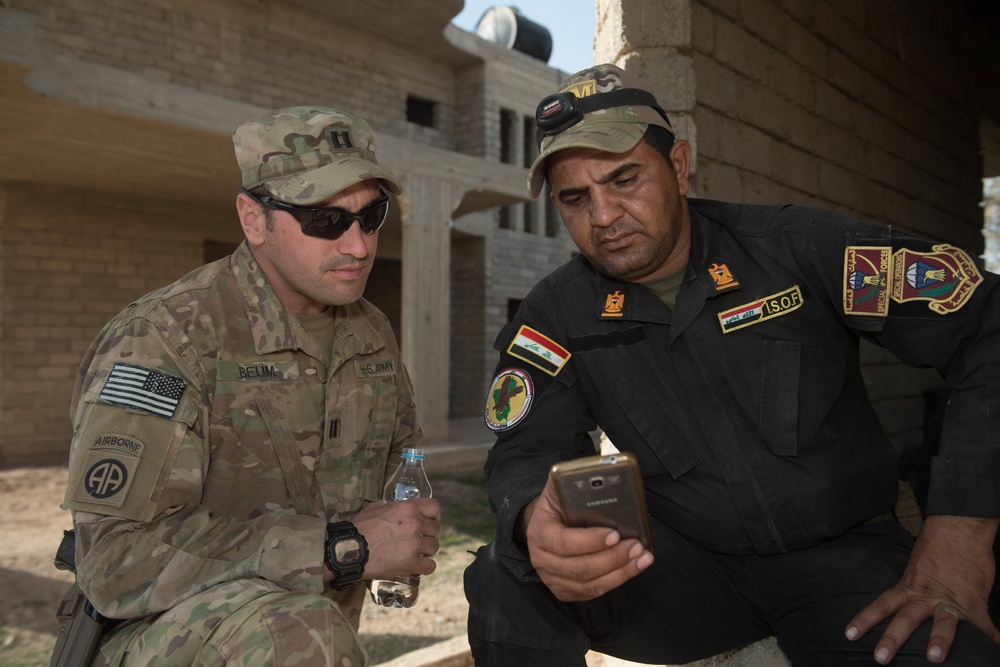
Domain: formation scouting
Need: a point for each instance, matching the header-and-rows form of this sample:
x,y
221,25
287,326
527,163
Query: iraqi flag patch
x,y
538,350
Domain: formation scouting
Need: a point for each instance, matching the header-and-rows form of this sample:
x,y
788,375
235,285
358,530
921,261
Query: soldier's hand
x,y
402,536
578,563
948,580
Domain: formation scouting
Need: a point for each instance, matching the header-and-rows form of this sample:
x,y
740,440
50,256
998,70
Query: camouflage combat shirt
x,y
211,443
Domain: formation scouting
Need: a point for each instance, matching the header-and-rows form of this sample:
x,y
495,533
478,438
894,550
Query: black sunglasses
x,y
330,222
561,111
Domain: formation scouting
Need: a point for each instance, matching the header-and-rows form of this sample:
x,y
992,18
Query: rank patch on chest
x,y
946,277
722,277
509,399
143,389
538,350
613,305
760,310
866,280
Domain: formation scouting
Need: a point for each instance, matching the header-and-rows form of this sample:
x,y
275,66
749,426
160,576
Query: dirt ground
x,y
31,526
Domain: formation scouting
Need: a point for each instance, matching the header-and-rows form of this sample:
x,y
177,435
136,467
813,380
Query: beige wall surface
x,y
71,260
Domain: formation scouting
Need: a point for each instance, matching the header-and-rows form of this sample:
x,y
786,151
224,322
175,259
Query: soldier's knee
x,y
244,624
294,630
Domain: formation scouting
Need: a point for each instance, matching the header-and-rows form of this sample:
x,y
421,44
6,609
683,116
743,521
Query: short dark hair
x,y
661,139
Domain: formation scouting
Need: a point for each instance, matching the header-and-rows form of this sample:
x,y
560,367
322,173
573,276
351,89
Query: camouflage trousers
x,y
249,622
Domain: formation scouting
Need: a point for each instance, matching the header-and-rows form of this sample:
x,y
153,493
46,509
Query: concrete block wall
x,y
270,54
70,263
854,106
517,261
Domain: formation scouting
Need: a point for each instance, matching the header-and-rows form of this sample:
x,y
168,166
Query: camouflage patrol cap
x,y
616,129
303,155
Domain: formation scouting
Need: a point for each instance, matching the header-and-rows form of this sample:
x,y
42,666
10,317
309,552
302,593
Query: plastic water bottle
x,y
408,482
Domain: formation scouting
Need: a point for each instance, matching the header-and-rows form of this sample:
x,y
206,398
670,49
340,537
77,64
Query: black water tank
x,y
507,26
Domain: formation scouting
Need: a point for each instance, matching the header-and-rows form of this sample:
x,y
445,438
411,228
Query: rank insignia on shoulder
x,y
613,305
760,310
538,350
509,399
723,277
143,389
946,277
867,270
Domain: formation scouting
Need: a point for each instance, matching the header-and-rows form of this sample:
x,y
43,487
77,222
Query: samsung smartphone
x,y
604,491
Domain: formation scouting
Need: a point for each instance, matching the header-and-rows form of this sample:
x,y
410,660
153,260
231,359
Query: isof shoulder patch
x,y
509,399
538,350
755,312
867,271
143,389
946,277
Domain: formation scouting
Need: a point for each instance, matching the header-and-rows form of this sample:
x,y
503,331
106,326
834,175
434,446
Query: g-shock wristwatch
x,y
346,554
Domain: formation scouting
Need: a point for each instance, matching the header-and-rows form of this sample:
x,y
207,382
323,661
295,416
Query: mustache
x,y
341,264
616,229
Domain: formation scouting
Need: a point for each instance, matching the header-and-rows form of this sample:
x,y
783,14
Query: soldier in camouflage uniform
x,y
225,422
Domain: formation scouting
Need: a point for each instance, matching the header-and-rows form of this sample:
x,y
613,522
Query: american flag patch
x,y
143,389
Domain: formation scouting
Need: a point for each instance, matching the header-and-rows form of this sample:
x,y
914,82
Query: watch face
x,y
347,551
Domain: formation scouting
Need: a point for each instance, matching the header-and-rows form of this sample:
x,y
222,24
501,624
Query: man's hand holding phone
x,y
578,564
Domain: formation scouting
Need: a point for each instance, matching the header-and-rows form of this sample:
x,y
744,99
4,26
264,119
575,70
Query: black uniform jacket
x,y
745,405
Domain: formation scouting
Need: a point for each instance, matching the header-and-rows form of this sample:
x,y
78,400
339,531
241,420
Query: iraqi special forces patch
x,y
946,277
509,399
760,310
866,280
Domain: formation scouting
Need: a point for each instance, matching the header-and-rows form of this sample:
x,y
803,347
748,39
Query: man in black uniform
x,y
718,344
